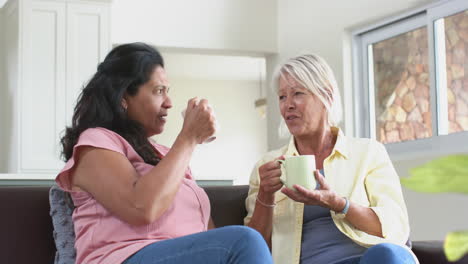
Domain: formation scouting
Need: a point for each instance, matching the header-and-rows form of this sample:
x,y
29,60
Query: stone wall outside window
x,y
401,75
456,45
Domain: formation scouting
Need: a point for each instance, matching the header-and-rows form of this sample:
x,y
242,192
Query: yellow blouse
x,y
359,169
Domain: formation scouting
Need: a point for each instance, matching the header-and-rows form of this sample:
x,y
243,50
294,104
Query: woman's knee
x,y
248,246
384,248
244,238
387,253
252,235
244,233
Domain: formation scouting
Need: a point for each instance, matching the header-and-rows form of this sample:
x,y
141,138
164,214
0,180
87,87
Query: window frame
x,y
364,123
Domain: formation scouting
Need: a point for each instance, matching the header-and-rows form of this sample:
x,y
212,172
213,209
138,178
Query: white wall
x,y
241,139
231,84
2,92
432,215
225,25
10,133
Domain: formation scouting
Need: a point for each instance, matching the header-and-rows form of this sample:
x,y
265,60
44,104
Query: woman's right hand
x,y
199,121
270,174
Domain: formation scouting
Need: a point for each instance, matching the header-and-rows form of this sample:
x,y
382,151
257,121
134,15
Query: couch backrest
x,y
26,226
227,204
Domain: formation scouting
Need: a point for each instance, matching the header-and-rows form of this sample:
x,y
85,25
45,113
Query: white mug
x,y
298,170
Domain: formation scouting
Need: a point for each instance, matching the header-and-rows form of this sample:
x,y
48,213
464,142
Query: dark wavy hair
x,y
123,71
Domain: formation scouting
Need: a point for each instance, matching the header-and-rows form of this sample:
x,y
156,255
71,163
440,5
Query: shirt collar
x,y
340,147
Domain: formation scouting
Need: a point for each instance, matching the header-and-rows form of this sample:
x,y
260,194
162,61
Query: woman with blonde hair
x,y
357,213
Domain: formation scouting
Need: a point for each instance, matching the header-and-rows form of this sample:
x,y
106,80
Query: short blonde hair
x,y
314,73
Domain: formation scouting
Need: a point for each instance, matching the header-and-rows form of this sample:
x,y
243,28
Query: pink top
x,y
102,237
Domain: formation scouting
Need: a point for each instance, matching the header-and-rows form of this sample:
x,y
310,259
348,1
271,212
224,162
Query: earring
x,y
124,106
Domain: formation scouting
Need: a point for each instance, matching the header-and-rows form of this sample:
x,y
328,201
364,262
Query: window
x,y
411,80
451,39
400,70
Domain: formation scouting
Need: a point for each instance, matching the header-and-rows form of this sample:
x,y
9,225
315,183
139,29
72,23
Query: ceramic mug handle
x,y
283,178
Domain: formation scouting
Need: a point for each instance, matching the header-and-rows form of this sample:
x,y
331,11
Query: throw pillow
x,y
61,209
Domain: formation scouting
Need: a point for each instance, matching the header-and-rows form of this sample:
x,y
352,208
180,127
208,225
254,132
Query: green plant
x,y
447,174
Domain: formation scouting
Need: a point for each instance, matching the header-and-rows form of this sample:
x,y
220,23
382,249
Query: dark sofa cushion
x,y
25,225
431,252
227,204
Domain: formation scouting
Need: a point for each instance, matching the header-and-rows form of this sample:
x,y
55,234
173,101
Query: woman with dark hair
x,y
135,200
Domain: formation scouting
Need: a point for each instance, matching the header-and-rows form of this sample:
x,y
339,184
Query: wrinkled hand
x,y
323,196
270,174
199,121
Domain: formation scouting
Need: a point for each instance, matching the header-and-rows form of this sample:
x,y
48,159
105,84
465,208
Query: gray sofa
x,y
26,227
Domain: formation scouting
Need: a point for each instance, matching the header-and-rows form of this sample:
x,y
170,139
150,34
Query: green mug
x,y
298,170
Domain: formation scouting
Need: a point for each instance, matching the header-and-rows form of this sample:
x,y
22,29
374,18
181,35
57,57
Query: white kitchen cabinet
x,y
50,50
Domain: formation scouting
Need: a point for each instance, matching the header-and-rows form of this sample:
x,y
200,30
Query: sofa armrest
x,y
432,252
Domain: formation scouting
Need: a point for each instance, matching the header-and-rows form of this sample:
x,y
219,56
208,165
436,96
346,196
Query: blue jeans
x,y
385,253
225,245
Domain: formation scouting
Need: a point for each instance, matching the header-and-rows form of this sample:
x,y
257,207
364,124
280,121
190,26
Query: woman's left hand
x,y
322,196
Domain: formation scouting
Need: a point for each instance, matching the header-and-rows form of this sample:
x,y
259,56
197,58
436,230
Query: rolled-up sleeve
x,y
386,197
254,185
